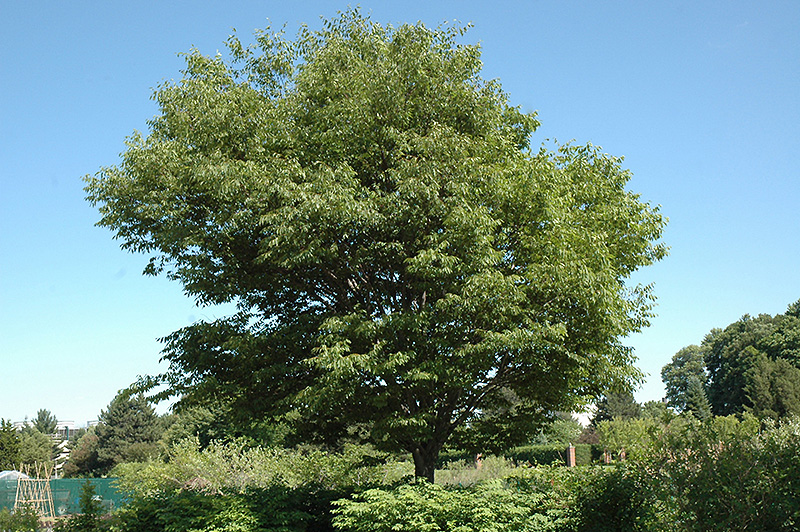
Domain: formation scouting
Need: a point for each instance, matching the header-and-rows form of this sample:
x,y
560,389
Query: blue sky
x,y
701,98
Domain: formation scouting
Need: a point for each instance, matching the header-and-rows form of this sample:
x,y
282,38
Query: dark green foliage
x,y
83,461
45,422
9,446
617,405
695,401
400,256
735,358
128,431
486,507
34,446
773,388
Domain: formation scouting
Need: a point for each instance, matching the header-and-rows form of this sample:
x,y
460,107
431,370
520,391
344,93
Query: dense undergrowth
x,y
725,474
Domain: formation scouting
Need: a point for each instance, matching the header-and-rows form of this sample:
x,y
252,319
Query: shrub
x,y
24,519
611,499
724,475
424,507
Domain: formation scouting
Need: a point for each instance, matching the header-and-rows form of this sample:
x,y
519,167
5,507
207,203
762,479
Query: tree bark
x,y
425,458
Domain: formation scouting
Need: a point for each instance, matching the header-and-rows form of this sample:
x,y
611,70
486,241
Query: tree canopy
x,y
400,258
752,365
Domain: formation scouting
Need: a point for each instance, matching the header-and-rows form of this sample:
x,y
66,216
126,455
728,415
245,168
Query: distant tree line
x,y
752,365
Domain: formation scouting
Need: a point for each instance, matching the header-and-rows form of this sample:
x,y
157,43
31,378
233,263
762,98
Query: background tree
x,y
686,366
9,446
742,358
401,259
45,422
34,446
617,405
83,461
773,388
128,431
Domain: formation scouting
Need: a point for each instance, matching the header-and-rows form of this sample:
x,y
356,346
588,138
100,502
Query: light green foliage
x,y
634,436
424,507
234,467
657,410
562,430
9,446
468,472
23,519
34,446
400,257
727,475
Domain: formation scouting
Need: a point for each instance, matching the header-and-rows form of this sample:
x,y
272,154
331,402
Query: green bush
x,y
726,475
613,499
276,509
423,507
24,519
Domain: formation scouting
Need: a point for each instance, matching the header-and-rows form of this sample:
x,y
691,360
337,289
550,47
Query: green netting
x,y
67,494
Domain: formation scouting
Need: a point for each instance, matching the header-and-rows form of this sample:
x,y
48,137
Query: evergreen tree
x,y
695,400
687,365
45,422
615,405
9,446
128,431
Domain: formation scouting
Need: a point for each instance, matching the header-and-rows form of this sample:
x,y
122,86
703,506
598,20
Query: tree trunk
x,y
425,458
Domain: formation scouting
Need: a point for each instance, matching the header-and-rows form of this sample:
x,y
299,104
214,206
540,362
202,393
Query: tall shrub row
x,y
725,474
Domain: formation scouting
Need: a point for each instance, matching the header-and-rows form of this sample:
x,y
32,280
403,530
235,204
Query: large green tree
x,y
685,381
128,431
401,259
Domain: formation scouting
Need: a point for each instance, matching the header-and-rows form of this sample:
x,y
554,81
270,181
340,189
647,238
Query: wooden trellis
x,y
33,490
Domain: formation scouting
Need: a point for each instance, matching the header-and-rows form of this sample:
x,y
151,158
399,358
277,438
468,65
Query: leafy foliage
x,y
235,467
617,405
685,380
90,518
399,256
34,446
742,362
45,422
729,475
24,519
83,461
485,507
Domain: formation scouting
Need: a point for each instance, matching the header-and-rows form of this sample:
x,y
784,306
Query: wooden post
x,y
571,456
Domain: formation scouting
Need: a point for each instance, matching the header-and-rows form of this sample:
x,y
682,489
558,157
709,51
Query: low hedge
x,y
585,454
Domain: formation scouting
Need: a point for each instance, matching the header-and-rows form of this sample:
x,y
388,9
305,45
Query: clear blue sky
x,y
701,98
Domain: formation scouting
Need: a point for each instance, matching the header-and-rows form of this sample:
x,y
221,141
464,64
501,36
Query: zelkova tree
x,y
400,258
